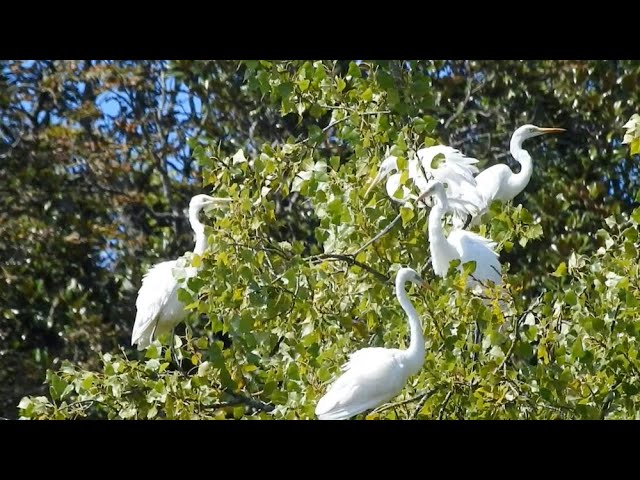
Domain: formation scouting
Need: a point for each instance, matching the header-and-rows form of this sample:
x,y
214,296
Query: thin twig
x,y
633,365
336,122
387,406
252,402
230,403
535,303
80,402
351,261
467,96
608,399
382,233
444,404
461,105
422,401
396,404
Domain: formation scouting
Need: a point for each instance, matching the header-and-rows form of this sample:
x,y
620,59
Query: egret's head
x,y
530,131
410,275
388,165
433,188
198,202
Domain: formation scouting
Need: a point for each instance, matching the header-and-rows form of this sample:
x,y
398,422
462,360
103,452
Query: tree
x,y
99,168
559,341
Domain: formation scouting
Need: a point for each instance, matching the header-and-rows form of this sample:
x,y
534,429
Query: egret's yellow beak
x,y
552,130
218,200
213,202
373,183
425,286
428,191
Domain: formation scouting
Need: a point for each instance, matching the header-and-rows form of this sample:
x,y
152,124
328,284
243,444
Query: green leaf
x,y
57,386
323,374
303,84
469,267
88,382
576,349
153,351
631,233
561,271
279,397
535,231
406,213
354,70
285,89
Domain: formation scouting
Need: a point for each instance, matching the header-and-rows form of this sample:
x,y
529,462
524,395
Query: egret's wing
x,y
461,209
455,167
416,174
472,246
370,377
158,285
456,171
491,182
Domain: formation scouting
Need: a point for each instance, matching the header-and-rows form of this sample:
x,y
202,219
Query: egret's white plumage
x,y
453,169
157,305
460,244
499,182
373,376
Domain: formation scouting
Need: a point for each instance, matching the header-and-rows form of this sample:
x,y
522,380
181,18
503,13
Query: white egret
x,y
158,307
499,182
460,244
375,375
455,171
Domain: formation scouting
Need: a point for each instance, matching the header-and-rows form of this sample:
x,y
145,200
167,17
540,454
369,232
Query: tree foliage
x,y
97,169
289,286
632,137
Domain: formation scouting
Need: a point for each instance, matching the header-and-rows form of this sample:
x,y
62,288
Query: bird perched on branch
x,y
158,307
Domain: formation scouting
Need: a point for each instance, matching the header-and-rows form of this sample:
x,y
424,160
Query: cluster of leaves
x,y
632,137
275,318
97,169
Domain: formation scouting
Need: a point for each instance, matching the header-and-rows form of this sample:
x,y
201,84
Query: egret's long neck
x,y
519,181
415,352
198,230
441,252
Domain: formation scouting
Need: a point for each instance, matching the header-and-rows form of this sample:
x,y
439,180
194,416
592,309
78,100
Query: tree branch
x,y
350,259
240,399
252,402
461,105
422,401
379,235
444,404
608,399
533,305
467,96
336,122
426,394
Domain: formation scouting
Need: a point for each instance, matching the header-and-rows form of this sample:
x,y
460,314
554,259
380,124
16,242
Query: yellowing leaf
x,y
561,271
406,213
